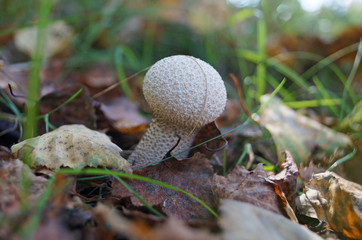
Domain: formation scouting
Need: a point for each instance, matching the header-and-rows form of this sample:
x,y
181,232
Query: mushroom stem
x,y
159,139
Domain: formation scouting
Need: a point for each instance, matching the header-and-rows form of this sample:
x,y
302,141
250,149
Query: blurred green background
x,y
260,41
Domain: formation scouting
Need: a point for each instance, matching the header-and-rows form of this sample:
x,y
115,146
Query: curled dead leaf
x,y
287,179
73,146
336,201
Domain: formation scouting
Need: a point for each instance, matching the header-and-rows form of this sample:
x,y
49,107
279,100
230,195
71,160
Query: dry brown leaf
x,y
78,111
207,132
64,216
73,146
192,175
248,186
336,201
99,76
175,229
10,186
172,228
53,228
287,179
306,173
240,220
124,115
303,137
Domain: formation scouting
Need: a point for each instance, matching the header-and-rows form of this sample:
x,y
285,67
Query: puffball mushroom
x,y
184,93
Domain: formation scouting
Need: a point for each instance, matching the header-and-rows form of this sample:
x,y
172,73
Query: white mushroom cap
x,y
184,93
184,90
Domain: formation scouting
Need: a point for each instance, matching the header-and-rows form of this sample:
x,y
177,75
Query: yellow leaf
x,y
73,146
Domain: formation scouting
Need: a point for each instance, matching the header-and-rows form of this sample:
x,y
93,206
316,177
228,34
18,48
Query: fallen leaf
x,y
192,175
118,224
58,35
287,179
99,76
240,220
78,111
73,146
248,186
10,187
306,212
53,228
64,216
175,229
306,173
172,228
17,76
124,115
207,132
338,202
304,138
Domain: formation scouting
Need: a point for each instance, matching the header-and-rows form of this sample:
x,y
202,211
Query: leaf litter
x,y
192,175
197,176
306,139
185,217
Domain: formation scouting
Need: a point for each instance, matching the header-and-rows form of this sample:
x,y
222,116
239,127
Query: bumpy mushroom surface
x,y
184,93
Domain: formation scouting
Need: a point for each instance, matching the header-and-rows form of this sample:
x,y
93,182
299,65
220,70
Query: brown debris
x,y
248,186
192,175
287,179
78,111
208,132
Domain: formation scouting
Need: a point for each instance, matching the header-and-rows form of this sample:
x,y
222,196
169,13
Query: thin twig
x,y
240,94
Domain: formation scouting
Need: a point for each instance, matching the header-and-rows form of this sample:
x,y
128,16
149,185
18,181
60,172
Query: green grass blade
x,y
261,68
319,66
245,151
330,59
34,75
63,104
313,103
349,80
276,90
240,16
283,69
136,177
249,55
342,160
284,93
289,73
7,102
324,92
28,231
129,188
118,60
